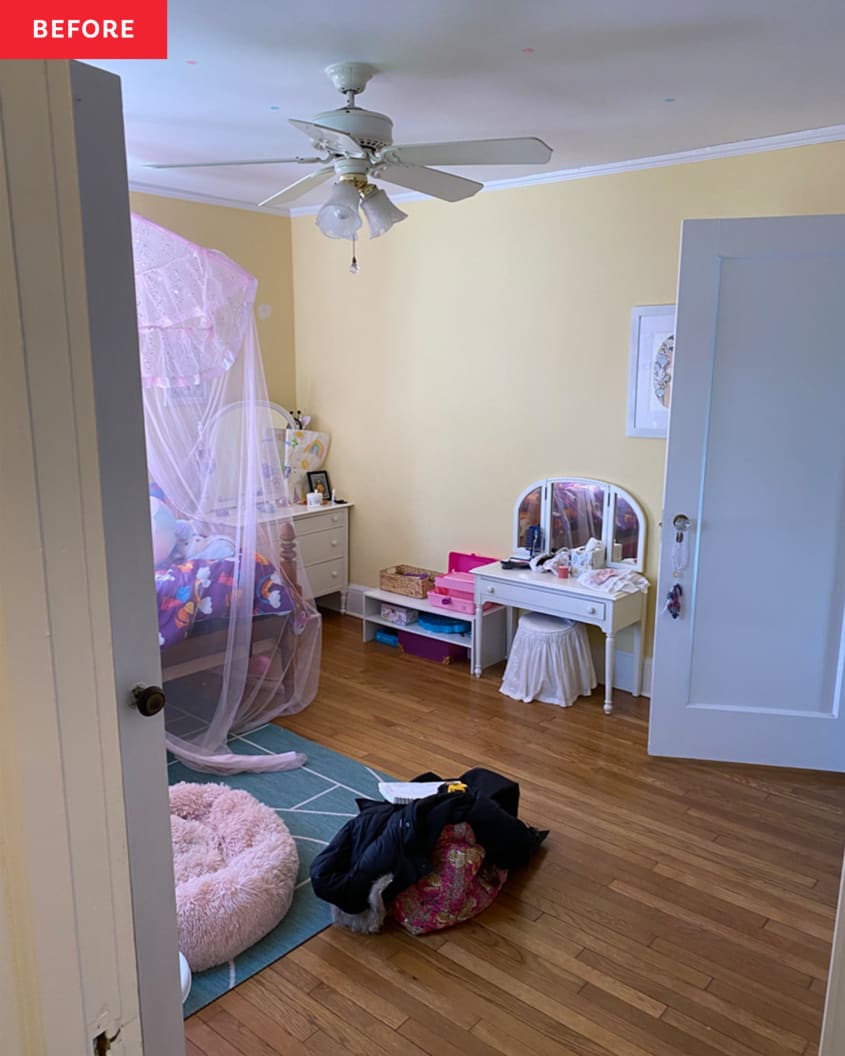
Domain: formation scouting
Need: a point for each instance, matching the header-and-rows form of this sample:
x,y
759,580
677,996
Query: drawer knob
x,y
491,590
591,609
334,575
334,542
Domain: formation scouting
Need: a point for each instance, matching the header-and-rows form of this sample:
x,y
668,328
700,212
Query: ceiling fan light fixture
x,y
339,216
380,212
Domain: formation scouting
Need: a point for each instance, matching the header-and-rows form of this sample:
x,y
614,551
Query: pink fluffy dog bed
x,y
235,865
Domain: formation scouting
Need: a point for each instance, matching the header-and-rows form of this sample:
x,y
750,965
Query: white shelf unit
x,y
494,646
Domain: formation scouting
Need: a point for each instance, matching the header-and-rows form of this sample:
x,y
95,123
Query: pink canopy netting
x,y
239,631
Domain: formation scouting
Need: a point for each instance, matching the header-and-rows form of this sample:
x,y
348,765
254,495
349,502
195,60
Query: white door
x,y
751,670
86,893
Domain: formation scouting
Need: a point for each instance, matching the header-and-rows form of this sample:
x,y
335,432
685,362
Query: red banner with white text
x,y
83,29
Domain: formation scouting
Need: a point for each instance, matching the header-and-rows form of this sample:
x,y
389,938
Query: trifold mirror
x,y
568,511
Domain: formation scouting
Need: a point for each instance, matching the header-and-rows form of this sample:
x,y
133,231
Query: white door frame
x,y
833,1026
85,862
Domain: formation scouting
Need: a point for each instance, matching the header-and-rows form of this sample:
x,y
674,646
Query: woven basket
x,y
408,580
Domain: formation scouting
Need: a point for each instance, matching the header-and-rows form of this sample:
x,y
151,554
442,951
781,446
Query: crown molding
x,y
204,199
784,141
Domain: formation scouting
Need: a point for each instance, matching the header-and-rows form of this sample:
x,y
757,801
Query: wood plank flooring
x,y
676,909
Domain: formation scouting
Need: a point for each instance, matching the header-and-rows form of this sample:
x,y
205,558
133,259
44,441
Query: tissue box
x,y
397,614
583,560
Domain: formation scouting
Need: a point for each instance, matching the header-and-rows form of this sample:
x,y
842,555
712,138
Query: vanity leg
x,y
475,650
609,657
638,657
509,624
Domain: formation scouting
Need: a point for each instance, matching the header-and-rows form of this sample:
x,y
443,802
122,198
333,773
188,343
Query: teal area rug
x,y
314,801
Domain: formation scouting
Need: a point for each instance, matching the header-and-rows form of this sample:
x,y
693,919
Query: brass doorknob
x,y
149,700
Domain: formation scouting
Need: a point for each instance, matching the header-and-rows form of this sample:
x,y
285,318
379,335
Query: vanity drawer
x,y
322,546
532,598
327,577
332,517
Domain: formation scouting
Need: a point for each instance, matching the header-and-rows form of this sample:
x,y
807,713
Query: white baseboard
x,y
623,672
355,600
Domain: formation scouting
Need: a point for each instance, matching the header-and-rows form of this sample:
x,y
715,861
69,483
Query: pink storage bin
x,y
459,562
456,589
454,603
431,648
458,584
458,581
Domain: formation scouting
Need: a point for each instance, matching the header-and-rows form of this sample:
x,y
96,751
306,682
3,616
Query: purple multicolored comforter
x,y
200,589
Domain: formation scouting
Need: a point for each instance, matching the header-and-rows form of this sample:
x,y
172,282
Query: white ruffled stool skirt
x,y
549,661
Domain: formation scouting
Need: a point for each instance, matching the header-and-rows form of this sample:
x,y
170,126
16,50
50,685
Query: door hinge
x,y
102,1042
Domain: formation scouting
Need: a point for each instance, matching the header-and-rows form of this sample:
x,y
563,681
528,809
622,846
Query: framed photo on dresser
x,y
318,480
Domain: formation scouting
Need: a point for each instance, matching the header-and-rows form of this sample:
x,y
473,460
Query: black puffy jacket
x,y
399,838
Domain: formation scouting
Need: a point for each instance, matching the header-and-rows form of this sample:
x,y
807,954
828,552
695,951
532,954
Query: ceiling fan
x,y
355,144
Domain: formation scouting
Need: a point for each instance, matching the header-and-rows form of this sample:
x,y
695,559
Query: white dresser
x,y
323,538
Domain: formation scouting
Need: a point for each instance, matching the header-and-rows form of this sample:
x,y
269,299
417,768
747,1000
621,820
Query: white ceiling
x,y
592,79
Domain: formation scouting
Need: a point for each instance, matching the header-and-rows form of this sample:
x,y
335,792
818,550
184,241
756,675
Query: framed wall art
x,y
650,369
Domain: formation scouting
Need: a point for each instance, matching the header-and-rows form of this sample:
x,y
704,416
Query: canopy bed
x,y
238,628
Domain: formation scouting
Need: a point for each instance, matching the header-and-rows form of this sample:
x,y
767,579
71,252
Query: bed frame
x,y
205,647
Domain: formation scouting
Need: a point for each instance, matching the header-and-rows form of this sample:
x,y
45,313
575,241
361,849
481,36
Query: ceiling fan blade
x,y
296,190
218,164
429,181
526,150
328,139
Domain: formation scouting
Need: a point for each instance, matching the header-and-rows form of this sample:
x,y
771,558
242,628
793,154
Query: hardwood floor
x,y
676,909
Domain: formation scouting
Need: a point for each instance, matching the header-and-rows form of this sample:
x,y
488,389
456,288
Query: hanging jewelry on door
x,y
680,558
680,549
673,601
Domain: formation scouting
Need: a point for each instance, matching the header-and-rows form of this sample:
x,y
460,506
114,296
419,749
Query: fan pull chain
x,y
353,267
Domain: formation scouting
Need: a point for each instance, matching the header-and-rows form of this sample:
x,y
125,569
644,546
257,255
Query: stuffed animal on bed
x,y
163,529
209,547
175,541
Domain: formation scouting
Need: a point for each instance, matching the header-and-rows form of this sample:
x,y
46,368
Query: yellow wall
x,y
260,243
485,344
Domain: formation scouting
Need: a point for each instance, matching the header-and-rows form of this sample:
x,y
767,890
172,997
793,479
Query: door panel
x,y
84,781
751,671
115,373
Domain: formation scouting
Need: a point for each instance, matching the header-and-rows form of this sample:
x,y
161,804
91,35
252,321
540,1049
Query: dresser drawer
x,y
539,600
327,576
322,546
332,517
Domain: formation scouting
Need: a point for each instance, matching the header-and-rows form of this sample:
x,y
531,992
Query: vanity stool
x,y
549,661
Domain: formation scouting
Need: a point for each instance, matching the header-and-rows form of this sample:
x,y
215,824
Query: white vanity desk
x,y
564,513
542,592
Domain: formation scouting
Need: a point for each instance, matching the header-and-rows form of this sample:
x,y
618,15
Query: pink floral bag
x,y
460,886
